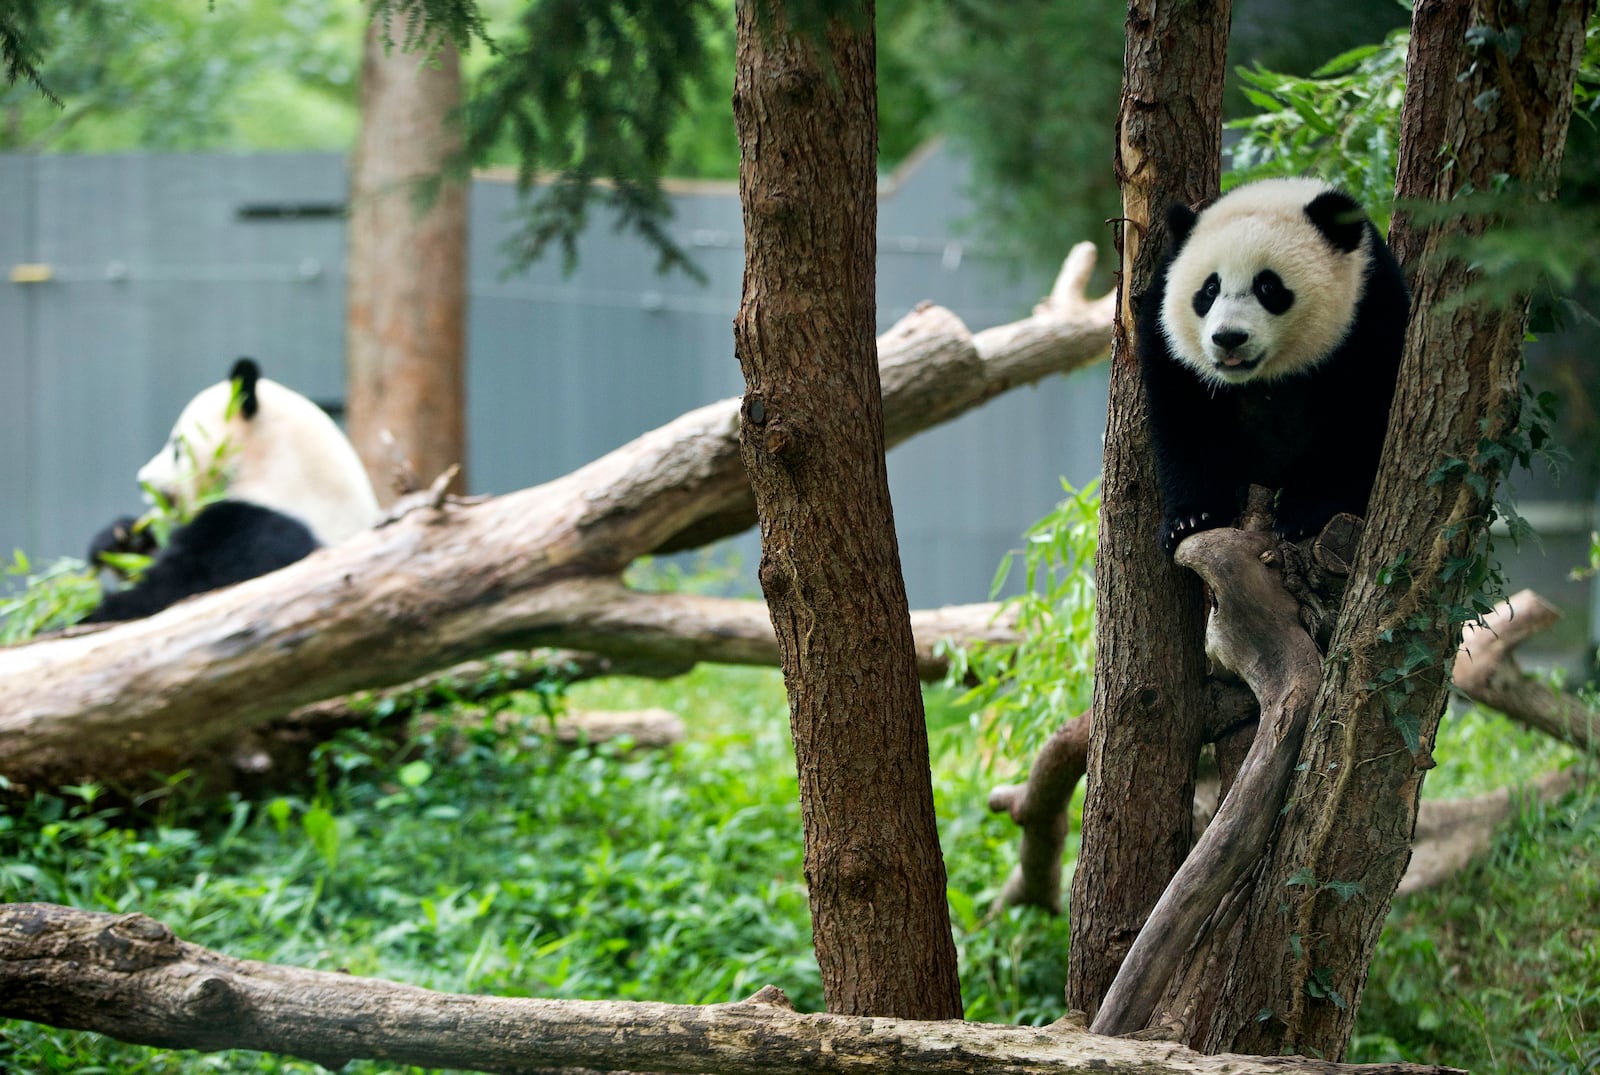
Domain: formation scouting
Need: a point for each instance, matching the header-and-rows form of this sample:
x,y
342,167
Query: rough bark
x,y
128,976
448,584
813,445
406,309
1300,958
1149,692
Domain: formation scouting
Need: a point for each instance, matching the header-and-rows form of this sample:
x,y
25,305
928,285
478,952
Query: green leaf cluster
x,y
1341,124
1026,689
147,74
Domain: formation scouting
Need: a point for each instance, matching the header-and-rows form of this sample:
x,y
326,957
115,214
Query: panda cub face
x,y
1265,282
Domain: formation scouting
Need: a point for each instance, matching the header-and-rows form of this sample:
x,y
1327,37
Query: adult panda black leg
x,y
227,542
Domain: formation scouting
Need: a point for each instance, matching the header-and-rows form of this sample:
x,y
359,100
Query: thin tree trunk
x,y
1294,973
405,315
1149,691
812,441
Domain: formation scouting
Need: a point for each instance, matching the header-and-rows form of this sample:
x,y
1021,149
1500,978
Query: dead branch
x,y
1453,832
451,582
1487,672
1255,634
675,634
1039,808
1450,833
129,977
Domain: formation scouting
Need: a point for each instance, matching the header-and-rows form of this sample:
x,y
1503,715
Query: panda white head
x,y
255,440
1265,282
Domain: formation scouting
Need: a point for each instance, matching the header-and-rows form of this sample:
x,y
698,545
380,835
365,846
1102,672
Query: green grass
x,y
487,859
1499,970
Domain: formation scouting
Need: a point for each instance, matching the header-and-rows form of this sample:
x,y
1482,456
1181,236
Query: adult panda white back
x,y
289,479
268,445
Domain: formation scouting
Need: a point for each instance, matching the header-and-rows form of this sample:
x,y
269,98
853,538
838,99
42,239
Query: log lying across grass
x,y
129,977
451,583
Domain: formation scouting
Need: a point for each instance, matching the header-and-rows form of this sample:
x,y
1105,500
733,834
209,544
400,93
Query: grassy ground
x,y
499,863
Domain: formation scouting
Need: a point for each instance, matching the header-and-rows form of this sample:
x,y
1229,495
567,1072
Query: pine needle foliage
x,y
585,93
428,24
22,44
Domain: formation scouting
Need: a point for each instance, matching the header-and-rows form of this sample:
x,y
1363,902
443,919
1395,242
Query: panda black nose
x,y
1229,339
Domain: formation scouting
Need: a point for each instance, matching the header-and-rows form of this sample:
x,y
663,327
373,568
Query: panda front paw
x,y
1174,528
123,536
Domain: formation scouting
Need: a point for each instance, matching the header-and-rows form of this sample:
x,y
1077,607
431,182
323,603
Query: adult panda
x,y
1269,344
290,479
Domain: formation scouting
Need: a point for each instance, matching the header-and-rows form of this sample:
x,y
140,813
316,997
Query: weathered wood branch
x,y
1255,634
1039,808
1453,832
1450,832
1486,671
1038,805
129,977
444,585
676,633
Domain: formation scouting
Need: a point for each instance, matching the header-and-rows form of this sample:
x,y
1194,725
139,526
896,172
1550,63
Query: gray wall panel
x,y
19,437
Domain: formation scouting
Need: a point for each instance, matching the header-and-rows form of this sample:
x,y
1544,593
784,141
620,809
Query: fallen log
x,y
1487,672
129,977
660,636
453,582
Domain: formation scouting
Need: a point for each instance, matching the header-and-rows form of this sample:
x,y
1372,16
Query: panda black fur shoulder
x,y
292,482
1269,344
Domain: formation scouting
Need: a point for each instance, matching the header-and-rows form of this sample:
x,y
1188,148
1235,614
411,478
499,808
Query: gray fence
x,y
135,280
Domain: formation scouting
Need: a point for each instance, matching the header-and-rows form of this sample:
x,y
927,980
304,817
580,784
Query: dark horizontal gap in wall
x,y
292,211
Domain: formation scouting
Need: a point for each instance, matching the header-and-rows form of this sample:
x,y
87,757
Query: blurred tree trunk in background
x,y
1149,684
406,336
812,440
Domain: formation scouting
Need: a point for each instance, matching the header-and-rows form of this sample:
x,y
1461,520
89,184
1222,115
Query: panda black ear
x,y
1338,217
1180,222
244,377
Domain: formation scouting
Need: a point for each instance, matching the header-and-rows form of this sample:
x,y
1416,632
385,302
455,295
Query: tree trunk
x,y
1291,977
1149,689
813,444
405,315
129,977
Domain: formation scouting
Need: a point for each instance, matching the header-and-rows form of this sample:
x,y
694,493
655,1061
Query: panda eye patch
x,y
1269,291
1207,295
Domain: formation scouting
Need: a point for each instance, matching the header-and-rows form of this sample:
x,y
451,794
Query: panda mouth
x,y
1237,363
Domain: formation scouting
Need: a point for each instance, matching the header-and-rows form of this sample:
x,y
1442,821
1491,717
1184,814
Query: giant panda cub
x,y
291,483
1269,345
